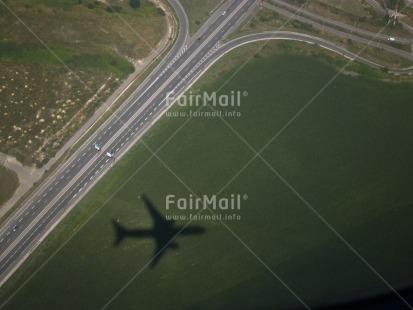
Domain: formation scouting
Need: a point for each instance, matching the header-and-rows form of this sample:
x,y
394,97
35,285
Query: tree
x,y
134,4
115,8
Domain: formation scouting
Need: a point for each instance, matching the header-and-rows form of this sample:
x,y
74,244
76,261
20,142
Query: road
x,y
52,201
295,36
322,26
326,21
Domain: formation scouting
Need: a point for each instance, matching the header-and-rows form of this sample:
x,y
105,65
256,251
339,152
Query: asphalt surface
x,y
184,63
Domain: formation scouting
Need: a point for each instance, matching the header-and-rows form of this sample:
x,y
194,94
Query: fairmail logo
x,y
233,99
233,202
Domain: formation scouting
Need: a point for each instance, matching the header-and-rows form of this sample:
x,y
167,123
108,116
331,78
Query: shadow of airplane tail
x,y
120,232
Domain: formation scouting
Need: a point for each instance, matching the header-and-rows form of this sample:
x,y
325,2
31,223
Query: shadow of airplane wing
x,y
163,232
159,222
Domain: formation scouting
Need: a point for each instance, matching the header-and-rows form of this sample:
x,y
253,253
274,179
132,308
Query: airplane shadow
x,y
164,232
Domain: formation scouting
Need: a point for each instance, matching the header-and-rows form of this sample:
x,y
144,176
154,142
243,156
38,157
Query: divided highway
x,y
323,21
325,24
184,63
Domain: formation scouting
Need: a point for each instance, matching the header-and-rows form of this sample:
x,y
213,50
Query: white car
x,y
110,154
223,13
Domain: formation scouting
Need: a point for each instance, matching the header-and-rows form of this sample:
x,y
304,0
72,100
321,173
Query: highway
x,y
54,199
369,37
326,21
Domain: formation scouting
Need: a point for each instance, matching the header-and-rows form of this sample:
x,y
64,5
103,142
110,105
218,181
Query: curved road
x,y
287,35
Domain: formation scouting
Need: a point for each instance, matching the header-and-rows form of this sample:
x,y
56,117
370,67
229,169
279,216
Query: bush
x,y
160,12
134,4
115,8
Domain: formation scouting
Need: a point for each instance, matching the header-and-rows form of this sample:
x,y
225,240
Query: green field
x,y
348,155
9,184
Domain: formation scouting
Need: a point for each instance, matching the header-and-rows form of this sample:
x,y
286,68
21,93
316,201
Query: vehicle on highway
x,y
97,147
223,13
110,154
15,227
391,39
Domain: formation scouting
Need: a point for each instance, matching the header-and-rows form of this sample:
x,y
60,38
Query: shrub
x,y
134,4
115,8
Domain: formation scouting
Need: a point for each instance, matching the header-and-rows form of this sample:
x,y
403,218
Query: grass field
x,y
9,184
42,100
348,155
